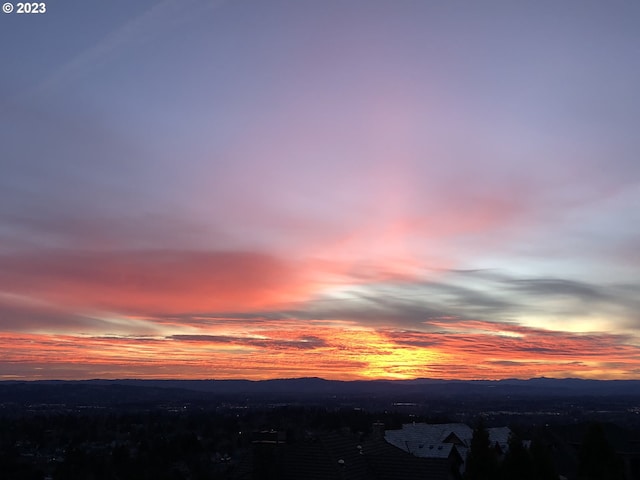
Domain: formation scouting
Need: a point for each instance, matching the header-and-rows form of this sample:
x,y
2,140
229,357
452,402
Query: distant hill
x,y
128,391
313,385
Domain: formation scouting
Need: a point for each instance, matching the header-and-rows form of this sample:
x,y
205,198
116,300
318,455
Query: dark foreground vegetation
x,y
109,433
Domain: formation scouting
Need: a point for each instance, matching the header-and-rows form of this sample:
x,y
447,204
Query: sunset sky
x,y
349,189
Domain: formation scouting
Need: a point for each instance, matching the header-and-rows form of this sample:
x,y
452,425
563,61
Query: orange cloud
x,y
340,351
478,349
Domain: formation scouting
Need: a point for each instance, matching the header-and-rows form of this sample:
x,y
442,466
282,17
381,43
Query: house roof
x,y
428,440
420,449
388,462
324,458
437,440
500,435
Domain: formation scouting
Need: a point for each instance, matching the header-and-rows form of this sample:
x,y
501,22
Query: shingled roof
x,y
387,462
335,456
438,440
429,440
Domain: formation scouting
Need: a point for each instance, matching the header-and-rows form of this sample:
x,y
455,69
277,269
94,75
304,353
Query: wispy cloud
x,y
305,342
472,349
163,18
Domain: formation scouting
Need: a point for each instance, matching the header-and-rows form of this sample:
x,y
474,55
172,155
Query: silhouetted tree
x,y
542,461
597,460
482,461
517,461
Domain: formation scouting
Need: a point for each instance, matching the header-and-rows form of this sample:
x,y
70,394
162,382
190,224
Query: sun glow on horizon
x,y
387,360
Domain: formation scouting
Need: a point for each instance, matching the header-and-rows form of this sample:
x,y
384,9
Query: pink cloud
x,y
153,281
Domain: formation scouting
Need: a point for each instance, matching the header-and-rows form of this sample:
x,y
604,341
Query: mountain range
x,y
132,390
